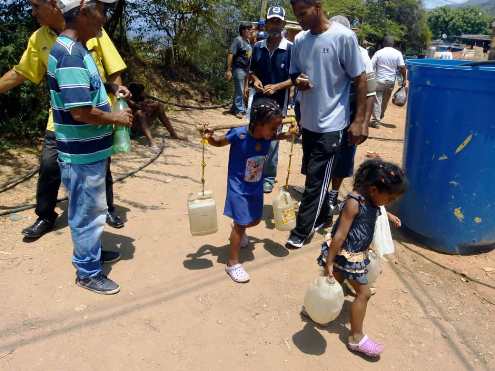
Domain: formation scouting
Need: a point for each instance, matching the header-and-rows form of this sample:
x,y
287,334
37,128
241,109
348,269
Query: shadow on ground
x,y
200,259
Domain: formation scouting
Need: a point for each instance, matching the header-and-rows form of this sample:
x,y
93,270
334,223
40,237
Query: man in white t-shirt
x,y
325,61
447,55
386,63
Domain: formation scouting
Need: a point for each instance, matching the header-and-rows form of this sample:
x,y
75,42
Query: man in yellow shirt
x,y
33,66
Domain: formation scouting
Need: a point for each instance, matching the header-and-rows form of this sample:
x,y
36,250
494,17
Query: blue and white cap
x,y
67,5
276,12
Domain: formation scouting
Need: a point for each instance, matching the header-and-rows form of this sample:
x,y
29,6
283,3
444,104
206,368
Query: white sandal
x,y
237,273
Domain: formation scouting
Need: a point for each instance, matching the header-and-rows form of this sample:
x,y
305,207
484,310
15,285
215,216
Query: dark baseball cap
x,y
276,12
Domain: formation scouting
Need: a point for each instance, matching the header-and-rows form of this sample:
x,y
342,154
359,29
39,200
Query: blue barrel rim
x,y
454,64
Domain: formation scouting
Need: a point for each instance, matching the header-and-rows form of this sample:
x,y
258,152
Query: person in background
x,y
238,60
249,91
446,55
145,111
84,133
33,66
261,33
386,62
325,60
344,163
269,73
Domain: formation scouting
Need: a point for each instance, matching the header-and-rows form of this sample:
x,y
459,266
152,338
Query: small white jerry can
x,y
284,211
202,211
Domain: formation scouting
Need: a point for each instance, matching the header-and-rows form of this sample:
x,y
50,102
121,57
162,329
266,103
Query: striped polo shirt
x,y
74,82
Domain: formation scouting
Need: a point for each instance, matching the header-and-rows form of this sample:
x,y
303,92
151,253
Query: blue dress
x,y
244,201
353,258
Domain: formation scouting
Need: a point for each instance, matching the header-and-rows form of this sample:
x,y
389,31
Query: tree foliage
x,y
20,113
403,19
458,21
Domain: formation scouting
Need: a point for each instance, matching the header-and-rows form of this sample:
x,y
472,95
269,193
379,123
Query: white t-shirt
x,y
386,62
331,60
366,60
370,73
446,55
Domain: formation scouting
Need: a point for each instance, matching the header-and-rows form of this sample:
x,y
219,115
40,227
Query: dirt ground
x,y
177,309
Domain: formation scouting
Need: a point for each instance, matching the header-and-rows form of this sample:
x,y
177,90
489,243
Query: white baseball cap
x,y
67,5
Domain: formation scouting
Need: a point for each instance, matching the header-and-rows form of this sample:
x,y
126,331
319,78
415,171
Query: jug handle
x,y
331,280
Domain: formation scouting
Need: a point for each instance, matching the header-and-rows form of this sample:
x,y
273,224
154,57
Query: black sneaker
x,y
333,202
267,187
108,257
294,242
99,284
113,220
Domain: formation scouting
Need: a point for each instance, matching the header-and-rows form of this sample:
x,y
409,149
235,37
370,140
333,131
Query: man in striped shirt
x,y
83,129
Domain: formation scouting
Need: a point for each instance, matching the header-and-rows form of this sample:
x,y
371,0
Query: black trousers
x,y
49,180
319,150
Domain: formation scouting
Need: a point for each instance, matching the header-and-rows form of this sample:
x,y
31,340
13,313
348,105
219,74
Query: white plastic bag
x,y
400,97
382,239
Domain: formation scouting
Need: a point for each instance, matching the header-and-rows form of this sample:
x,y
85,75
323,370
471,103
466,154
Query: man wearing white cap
x,y
83,129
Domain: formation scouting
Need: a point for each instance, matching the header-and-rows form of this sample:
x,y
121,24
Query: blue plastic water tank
x,y
449,156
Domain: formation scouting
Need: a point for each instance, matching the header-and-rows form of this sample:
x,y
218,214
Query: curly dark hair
x,y
263,110
385,176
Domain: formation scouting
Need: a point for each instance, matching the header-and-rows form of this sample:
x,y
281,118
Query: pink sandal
x,y
367,347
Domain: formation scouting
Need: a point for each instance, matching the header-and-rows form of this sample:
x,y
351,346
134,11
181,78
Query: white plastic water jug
x,y
324,300
374,268
284,211
202,211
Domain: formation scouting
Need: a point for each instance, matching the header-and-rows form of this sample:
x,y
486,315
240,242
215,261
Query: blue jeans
x,y
239,77
252,92
85,185
270,167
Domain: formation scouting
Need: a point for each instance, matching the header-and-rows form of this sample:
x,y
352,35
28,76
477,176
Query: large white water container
x,y
324,300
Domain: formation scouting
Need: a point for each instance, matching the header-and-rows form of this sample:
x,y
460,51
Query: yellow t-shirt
x,y
34,60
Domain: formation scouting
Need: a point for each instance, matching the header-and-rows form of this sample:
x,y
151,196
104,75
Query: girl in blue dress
x,y
249,146
345,256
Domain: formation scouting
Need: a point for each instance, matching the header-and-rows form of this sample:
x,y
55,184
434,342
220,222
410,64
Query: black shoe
x,y
295,242
114,220
39,228
99,284
108,257
267,187
375,124
333,202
